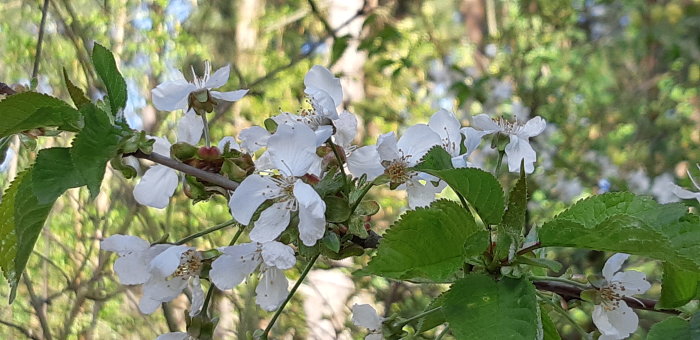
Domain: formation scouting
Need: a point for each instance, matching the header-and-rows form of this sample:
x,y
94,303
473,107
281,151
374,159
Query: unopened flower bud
x,y
210,153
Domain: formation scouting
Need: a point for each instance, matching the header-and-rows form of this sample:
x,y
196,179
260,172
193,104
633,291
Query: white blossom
x,y
173,95
687,194
519,133
446,125
395,157
613,317
324,91
159,182
174,336
292,152
366,316
239,261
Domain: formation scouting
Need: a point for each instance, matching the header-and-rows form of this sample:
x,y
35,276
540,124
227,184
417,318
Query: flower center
x,y
286,194
190,264
508,127
201,81
611,299
398,171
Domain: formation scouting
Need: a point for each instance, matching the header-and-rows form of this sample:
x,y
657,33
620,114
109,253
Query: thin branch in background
x,y
21,329
38,305
40,40
317,14
190,170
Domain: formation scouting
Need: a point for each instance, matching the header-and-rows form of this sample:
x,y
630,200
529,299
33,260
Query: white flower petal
x,y
601,321
161,146
166,262
416,142
232,144
292,149
132,265
634,282
322,102
254,138
366,316
387,147
312,209
323,132
197,296
613,265
420,195
473,139
365,160
234,265
189,129
345,128
174,336
321,78
124,244
533,127
253,191
172,95
219,78
484,123
148,305
279,255
685,194
272,289
446,125
162,289
624,319
374,336
519,149
156,187
231,96
271,223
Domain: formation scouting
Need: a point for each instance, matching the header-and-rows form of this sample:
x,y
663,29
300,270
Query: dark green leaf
x,y
477,307
76,94
53,174
678,287
331,241
30,110
435,159
479,188
623,222
367,208
510,231
426,243
433,320
340,44
94,146
106,68
21,220
337,209
673,328
549,329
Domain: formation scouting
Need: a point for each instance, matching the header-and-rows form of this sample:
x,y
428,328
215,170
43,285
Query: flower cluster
x,y
279,169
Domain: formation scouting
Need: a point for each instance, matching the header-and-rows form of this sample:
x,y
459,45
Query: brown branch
x,y
40,40
39,305
570,292
21,329
188,169
317,14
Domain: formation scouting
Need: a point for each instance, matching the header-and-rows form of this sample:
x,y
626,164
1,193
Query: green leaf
x,y
337,209
433,320
671,328
623,222
477,307
21,220
30,110
94,146
435,159
549,329
331,241
510,231
678,287
53,174
357,227
479,188
76,94
425,244
106,68
340,44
